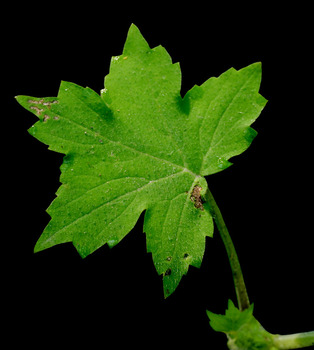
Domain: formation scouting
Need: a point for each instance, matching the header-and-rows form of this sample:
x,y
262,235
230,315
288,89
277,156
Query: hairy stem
x,y
242,296
294,341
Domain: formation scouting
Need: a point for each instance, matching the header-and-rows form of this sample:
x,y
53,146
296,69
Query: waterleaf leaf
x,y
140,147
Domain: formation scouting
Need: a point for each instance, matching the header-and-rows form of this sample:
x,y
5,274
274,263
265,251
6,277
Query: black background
x,y
266,197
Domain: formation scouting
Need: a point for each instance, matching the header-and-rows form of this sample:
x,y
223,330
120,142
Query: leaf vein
x,y
241,87
125,146
178,233
114,199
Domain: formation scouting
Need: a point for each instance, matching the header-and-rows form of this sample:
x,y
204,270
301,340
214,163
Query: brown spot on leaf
x,y
49,103
196,197
38,110
46,117
36,102
43,102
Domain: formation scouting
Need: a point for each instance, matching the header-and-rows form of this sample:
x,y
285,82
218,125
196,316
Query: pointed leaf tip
x,y
135,42
133,27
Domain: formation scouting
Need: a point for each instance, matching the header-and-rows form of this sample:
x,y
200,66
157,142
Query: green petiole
x,y
240,288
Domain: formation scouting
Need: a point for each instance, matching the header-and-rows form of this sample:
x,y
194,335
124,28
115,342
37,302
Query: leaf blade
x,y
141,147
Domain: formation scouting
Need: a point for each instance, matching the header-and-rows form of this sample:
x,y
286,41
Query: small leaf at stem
x,y
244,332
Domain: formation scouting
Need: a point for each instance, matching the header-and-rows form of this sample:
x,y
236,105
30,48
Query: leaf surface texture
x,y
139,146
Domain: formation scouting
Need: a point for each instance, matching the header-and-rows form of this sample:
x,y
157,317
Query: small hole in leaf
x,y
169,258
186,255
168,272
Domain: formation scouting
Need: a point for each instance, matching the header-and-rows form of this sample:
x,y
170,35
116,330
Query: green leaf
x,y
244,332
140,147
232,320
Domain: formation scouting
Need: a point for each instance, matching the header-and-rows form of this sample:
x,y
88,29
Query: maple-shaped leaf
x,y
140,147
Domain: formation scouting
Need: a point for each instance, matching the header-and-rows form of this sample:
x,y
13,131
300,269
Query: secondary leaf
x,y
244,332
233,319
140,147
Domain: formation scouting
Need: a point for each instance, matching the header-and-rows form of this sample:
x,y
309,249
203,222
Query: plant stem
x,y
294,341
242,296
